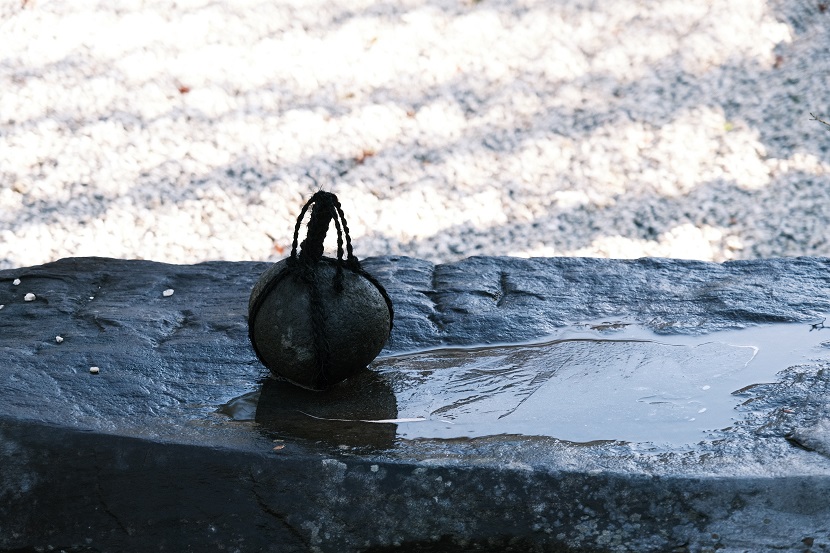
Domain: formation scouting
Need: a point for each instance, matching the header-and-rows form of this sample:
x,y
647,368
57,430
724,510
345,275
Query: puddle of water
x,y
625,384
585,384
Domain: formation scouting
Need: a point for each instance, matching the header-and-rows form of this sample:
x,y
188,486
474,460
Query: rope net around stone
x,y
325,207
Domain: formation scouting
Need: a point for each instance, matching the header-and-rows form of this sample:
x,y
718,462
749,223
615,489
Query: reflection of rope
x,y
326,207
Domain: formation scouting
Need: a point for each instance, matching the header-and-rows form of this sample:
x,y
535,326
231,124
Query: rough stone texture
x,y
145,452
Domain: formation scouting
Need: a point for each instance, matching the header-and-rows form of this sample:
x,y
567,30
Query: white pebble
x,y
29,297
59,339
2,306
16,281
94,370
167,293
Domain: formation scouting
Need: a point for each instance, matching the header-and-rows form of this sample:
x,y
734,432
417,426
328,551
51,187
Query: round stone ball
x,y
356,323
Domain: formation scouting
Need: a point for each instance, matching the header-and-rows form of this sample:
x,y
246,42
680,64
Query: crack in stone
x,y
506,290
279,517
104,505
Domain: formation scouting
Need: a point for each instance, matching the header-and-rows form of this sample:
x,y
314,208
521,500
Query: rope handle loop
x,y
326,207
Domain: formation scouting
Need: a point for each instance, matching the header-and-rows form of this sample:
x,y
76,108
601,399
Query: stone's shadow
x,y
353,413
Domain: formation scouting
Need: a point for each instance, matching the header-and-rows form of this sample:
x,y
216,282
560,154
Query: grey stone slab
x,y
182,442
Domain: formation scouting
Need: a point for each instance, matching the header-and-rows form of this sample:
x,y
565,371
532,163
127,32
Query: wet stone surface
x,y
525,405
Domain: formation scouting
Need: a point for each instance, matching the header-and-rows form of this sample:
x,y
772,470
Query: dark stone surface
x,y
157,451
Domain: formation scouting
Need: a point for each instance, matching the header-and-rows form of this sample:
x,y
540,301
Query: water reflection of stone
x,y
346,414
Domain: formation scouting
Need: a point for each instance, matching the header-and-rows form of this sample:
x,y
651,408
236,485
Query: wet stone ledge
x,y
520,405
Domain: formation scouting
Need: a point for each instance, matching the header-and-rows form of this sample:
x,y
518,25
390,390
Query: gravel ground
x,y
194,130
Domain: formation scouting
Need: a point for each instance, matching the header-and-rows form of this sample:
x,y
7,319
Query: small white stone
x,y
16,281
29,297
2,306
167,293
59,339
94,370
